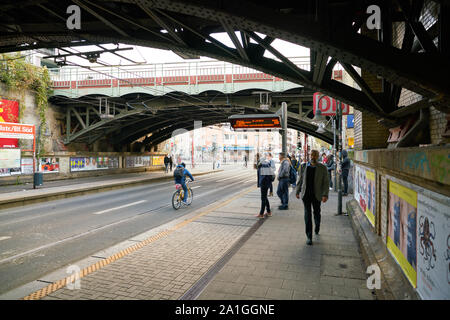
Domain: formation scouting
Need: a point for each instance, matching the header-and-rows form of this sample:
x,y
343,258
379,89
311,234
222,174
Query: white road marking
x,y
121,207
195,187
4,238
233,177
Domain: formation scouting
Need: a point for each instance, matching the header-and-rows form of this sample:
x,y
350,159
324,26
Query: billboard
x,y
9,112
137,161
328,105
402,221
9,161
365,192
433,249
47,165
93,163
157,160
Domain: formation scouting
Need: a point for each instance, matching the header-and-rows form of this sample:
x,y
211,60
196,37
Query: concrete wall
x,y
425,172
66,173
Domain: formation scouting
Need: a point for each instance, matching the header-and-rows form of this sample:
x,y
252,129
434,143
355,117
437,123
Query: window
x,y
245,137
227,137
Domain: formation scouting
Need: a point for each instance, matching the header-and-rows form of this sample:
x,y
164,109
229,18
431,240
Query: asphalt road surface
x,y
40,238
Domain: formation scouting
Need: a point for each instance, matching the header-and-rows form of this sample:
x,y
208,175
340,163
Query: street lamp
x,y
337,145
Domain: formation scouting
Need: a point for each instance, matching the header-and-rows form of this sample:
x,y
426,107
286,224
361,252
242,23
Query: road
x,y
40,238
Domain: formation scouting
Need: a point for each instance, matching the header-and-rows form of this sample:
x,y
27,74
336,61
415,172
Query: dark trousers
x,y
330,176
345,180
271,187
167,167
309,201
264,200
283,191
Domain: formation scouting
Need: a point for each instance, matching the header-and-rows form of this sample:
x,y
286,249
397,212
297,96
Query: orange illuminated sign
x,y
256,123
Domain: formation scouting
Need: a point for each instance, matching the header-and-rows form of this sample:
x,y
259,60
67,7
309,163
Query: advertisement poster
x,y
93,163
364,191
137,161
157,160
9,112
402,218
48,165
433,249
9,162
27,166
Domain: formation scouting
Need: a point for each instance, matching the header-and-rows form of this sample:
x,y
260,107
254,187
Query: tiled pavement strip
x,y
275,263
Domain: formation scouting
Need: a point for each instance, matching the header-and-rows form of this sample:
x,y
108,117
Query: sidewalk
x,y
245,257
17,195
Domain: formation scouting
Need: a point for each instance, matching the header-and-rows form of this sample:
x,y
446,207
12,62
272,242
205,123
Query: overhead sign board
x,y
16,130
255,121
328,105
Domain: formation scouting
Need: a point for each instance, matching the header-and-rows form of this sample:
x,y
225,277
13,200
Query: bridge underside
x,y
417,60
152,120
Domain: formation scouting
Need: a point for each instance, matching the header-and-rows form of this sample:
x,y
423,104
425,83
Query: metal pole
x,y
339,143
284,127
334,155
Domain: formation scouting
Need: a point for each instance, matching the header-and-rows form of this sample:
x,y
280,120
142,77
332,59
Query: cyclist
x,y
180,174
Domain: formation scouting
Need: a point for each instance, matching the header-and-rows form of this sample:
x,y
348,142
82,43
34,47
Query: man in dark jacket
x,y
171,162
283,180
345,167
312,188
166,163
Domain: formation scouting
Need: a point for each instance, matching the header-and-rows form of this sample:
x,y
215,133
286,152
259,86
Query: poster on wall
x,y
49,165
157,160
93,163
9,112
10,162
364,191
402,218
137,161
27,165
433,249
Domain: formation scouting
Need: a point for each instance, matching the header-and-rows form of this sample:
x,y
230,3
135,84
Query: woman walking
x,y
265,177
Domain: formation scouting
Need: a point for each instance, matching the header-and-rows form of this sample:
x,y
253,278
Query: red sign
x,y
16,130
9,112
328,105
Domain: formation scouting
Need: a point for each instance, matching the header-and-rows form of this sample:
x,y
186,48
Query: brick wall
x,y
369,134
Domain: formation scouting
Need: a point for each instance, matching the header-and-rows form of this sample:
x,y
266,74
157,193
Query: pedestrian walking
x,y
166,163
295,164
245,161
266,175
283,181
171,162
330,168
312,188
272,165
324,158
345,167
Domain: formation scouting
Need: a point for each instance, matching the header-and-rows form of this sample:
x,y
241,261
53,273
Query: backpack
x,y
292,175
178,173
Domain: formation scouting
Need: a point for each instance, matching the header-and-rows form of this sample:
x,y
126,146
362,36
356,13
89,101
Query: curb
x,y
394,285
57,195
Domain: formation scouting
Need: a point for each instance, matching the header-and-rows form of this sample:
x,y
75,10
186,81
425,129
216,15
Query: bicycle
x,y
177,197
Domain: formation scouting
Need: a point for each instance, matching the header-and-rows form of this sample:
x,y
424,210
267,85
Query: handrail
x,y
173,69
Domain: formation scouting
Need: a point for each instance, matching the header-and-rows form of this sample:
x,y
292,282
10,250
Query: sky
x,y
151,55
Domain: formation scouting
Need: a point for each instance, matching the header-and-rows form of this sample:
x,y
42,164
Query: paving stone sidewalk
x,y
276,263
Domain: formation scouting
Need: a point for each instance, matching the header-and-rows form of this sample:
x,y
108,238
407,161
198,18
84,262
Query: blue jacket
x,y
185,173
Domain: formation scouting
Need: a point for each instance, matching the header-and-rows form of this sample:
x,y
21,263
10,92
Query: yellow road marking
x,y
104,262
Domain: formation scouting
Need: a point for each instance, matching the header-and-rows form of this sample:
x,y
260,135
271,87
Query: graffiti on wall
x,y
435,164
